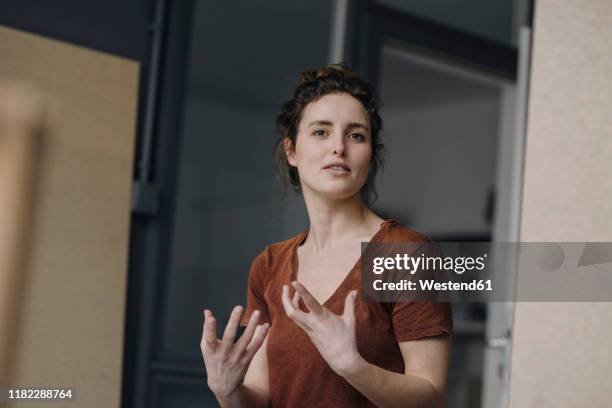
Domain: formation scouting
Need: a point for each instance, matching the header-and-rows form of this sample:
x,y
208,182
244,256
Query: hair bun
x,y
332,69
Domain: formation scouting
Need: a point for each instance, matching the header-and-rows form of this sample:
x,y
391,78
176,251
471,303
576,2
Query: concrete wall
x,y
561,351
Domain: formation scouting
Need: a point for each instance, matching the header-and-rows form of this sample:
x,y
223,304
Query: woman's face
x,y
333,146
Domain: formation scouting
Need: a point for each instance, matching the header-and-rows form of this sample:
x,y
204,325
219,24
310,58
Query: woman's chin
x,y
336,192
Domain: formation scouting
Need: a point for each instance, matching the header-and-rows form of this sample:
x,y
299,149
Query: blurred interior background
x,y
206,199
137,181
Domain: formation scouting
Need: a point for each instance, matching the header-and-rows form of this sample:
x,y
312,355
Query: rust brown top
x,y
298,375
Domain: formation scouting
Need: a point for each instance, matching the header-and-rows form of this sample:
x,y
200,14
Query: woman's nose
x,y
339,146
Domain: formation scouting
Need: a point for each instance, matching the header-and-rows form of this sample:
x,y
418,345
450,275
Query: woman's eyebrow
x,y
357,125
351,125
320,123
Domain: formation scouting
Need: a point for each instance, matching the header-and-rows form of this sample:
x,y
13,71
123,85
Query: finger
x,y
255,335
349,305
293,313
309,300
296,300
232,325
300,318
249,331
210,329
260,335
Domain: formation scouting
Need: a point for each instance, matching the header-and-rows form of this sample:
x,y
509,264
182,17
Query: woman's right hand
x,y
227,362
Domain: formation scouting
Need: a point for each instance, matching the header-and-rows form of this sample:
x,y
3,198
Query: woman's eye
x,y
357,136
319,132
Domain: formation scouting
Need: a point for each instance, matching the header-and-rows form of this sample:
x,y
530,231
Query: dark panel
x,y
114,26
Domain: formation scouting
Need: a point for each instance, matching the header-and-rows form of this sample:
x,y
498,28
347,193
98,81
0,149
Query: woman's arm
x,y
422,385
242,397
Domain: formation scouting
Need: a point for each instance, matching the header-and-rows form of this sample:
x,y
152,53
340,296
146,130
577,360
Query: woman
x,y
309,340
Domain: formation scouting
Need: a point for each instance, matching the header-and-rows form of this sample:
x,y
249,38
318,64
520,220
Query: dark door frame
x,y
153,209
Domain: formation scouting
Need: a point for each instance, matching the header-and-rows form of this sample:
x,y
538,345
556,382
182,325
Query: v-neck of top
x,y
300,239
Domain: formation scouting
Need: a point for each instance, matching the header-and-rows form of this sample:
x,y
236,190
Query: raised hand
x,y
227,362
332,335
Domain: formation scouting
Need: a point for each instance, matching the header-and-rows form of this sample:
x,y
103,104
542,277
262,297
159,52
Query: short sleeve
x,y
414,320
255,291
417,320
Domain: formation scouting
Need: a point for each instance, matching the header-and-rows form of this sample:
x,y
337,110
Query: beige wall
x,y
72,312
561,353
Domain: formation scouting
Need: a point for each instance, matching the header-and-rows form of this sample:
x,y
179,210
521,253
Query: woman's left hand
x,y
332,335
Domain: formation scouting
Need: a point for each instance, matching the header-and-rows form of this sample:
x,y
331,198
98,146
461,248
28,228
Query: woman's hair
x,y
314,84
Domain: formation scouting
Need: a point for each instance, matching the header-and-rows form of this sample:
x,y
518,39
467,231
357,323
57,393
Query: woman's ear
x,y
289,151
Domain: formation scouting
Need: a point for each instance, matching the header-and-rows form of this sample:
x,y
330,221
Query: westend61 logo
x,y
412,264
487,271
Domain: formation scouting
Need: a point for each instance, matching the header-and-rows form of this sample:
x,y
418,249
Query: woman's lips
x,y
338,171
338,164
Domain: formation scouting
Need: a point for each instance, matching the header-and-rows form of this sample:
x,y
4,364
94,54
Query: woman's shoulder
x,y
279,250
397,232
286,245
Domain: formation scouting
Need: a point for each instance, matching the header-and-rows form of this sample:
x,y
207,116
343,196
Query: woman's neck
x,y
336,221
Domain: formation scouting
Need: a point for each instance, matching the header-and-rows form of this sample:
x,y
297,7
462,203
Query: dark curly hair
x,y
314,84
